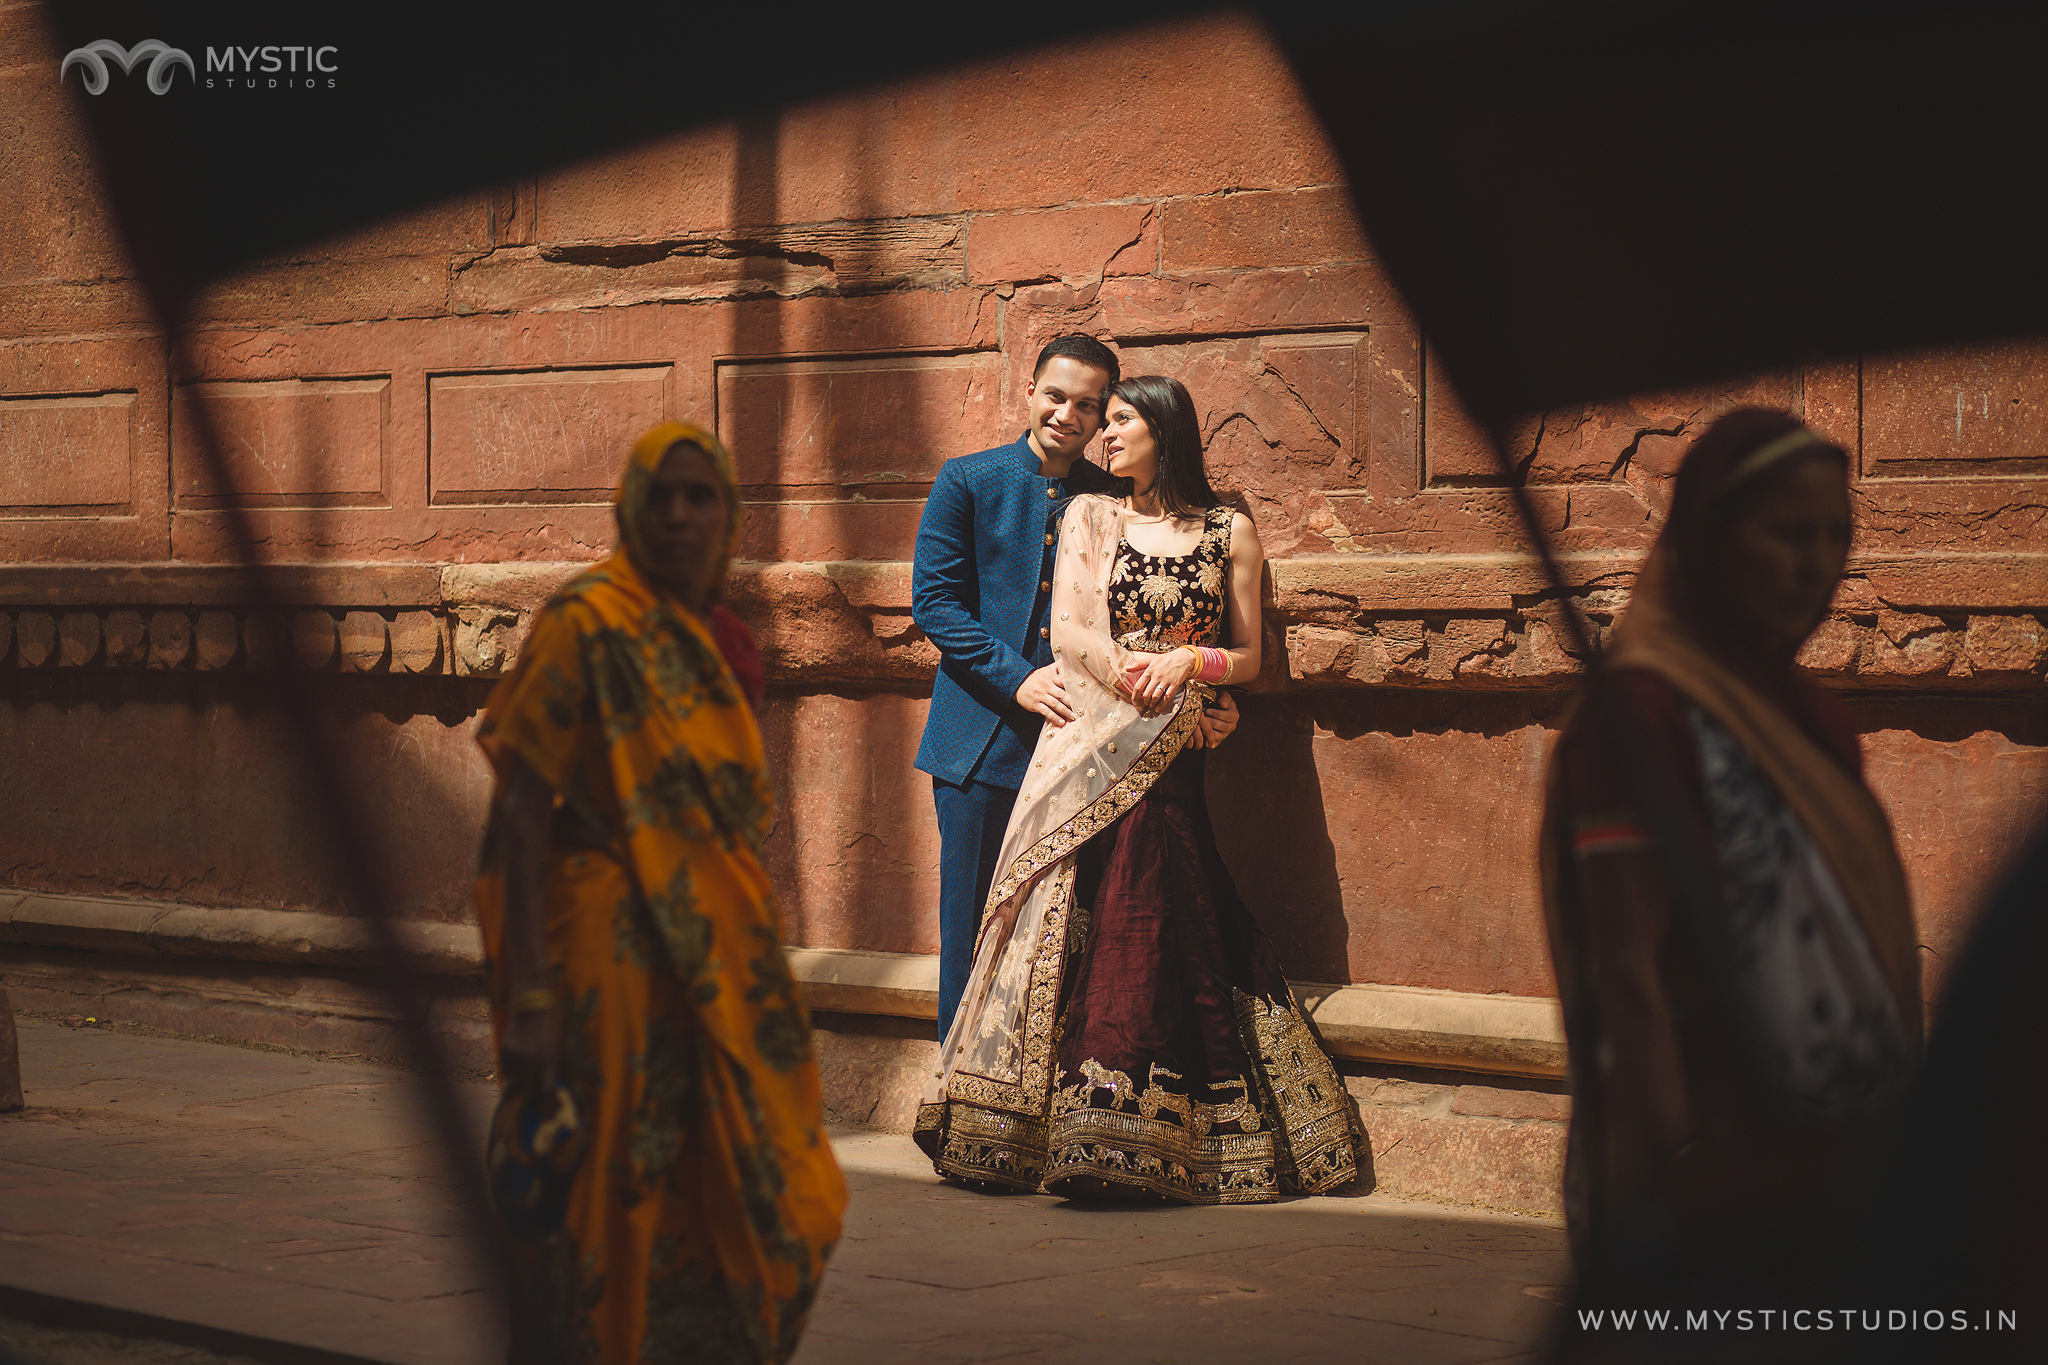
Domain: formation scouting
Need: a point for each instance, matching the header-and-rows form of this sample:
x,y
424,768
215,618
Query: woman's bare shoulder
x,y
1244,536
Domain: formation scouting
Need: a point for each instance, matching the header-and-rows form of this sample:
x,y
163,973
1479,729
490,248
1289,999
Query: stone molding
x,y
1463,621
94,924
1457,1030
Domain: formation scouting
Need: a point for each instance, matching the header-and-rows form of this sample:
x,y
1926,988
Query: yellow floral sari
x,y
700,1221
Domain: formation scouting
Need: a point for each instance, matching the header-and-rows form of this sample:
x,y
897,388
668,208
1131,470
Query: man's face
x,y
1066,405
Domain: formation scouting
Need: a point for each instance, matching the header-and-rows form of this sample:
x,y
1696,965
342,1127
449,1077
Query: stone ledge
x,y
1498,1034
156,927
1466,622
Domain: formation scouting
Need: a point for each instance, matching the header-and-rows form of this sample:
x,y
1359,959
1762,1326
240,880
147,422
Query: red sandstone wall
x,y
853,291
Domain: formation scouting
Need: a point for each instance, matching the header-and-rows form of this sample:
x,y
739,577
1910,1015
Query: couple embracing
x,y
1115,1023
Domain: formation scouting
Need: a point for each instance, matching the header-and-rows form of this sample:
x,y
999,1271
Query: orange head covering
x,y
636,483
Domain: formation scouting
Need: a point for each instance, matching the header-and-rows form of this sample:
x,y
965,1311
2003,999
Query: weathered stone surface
x,y
170,639
1469,648
267,636
365,642
223,585
293,442
1424,1141
1087,243
1961,809
522,588
1486,1101
2014,646
486,639
840,427
974,139
1912,645
810,631
220,639
1833,650
313,639
78,639
416,642
1974,409
855,849
873,1081
748,262
329,291
1261,230
198,801
127,638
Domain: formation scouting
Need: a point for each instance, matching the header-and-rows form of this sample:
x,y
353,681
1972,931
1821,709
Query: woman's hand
x,y
1152,681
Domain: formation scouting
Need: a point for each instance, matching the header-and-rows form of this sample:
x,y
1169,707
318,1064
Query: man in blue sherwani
x,y
980,591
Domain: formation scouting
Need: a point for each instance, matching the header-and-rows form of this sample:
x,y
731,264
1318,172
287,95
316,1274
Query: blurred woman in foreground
x,y
1735,1048
646,1018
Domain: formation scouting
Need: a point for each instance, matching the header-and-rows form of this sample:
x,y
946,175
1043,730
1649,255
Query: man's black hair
x,y
1085,349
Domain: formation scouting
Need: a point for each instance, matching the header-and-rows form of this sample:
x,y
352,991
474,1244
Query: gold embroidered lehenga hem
x,y
1126,1020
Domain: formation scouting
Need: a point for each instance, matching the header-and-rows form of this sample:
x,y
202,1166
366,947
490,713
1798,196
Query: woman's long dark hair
x,y
1169,411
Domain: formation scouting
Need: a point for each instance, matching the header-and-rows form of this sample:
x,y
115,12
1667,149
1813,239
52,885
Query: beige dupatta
x,y
1839,812
996,1067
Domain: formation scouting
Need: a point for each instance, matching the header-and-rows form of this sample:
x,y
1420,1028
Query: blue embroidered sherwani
x,y
980,591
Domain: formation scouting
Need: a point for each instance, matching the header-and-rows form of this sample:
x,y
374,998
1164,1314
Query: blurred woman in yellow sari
x,y
635,950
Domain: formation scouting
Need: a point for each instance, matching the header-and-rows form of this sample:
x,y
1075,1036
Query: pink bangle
x,y
1215,665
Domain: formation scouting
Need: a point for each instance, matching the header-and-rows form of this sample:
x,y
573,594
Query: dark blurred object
x,y
1581,200
10,1059
536,1147
1959,1220
430,100
1578,198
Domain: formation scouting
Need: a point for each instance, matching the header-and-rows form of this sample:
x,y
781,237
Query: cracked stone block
x,y
219,639
1404,644
1542,655
1910,645
1318,652
170,639
483,640
2012,645
364,640
1465,647
1900,626
1833,649
127,637
78,639
313,639
416,642
267,635
1083,243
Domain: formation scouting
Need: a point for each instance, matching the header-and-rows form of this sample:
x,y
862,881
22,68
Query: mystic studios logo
x,y
295,67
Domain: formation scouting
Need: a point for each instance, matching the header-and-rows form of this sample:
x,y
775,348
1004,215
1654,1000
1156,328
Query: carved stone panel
x,y
883,423
545,436
1283,417
284,443
65,455
1958,411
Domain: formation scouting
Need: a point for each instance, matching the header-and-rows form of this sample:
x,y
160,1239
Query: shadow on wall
x,y
1390,836
1266,800
178,786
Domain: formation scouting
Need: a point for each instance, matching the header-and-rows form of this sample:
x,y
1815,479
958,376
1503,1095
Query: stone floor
x,y
292,1210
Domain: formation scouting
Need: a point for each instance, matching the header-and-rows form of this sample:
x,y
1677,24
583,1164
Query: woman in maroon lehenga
x,y
1127,1028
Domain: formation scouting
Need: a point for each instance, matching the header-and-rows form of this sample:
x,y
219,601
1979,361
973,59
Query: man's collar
x,y
1083,475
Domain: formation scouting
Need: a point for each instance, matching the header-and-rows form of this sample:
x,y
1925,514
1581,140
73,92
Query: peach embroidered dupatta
x,y
984,1114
